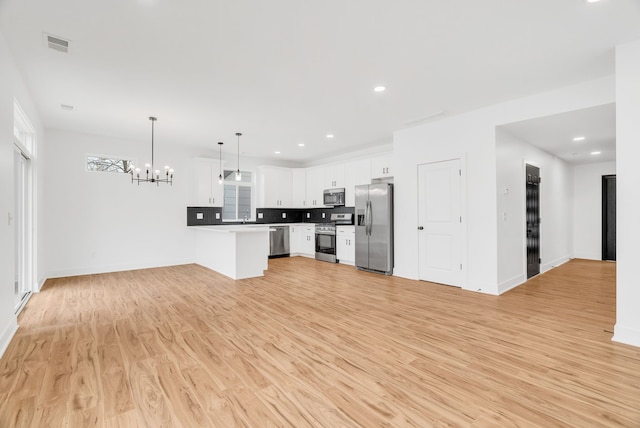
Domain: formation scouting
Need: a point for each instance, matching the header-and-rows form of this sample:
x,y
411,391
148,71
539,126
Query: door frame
x,y
25,140
605,217
464,243
523,233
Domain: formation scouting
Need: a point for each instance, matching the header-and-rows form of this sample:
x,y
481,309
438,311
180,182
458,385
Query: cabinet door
x,y
315,186
355,173
334,176
201,194
274,187
345,244
206,191
342,250
309,241
285,188
299,188
295,239
381,167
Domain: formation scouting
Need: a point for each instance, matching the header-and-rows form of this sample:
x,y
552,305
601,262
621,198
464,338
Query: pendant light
x,y
155,173
220,143
238,173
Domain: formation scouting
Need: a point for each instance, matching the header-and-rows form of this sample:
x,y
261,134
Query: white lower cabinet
x,y
295,240
346,244
302,240
309,241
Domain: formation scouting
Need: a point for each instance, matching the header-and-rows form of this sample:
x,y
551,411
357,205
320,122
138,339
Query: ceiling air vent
x,y
56,43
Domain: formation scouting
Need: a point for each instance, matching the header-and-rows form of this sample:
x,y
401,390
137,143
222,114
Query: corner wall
x,y
472,136
587,203
556,208
627,328
11,87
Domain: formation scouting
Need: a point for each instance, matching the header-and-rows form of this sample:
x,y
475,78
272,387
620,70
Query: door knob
x,y
420,228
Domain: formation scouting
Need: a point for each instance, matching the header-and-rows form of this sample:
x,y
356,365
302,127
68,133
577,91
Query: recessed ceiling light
x,y
592,1
329,135
379,89
595,153
277,152
578,138
300,144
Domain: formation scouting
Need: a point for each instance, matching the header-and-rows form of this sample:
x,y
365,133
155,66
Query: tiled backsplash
x,y
269,215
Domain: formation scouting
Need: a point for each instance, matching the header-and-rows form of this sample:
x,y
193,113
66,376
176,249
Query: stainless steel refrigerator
x,y
374,227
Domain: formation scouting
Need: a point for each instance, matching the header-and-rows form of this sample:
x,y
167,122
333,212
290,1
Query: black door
x,y
533,220
608,217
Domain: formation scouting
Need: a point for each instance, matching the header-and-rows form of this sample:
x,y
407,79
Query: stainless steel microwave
x,y
333,197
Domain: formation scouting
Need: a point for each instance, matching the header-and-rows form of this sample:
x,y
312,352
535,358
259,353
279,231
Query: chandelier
x,y
152,176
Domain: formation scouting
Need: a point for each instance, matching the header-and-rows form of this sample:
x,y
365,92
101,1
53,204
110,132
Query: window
x,y
237,196
106,164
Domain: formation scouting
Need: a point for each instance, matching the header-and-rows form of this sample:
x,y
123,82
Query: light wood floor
x,y
318,345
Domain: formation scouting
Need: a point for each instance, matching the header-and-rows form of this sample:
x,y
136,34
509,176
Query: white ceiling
x,y
286,72
555,134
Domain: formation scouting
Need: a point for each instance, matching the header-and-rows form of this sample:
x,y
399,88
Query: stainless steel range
x,y
326,237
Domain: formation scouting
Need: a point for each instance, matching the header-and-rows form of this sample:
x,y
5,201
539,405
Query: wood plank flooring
x,y
318,345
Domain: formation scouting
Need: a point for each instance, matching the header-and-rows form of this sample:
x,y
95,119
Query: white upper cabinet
x,y
315,187
274,187
299,188
206,191
355,173
334,176
381,167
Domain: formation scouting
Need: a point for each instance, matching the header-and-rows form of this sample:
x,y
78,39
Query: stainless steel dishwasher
x,y
278,241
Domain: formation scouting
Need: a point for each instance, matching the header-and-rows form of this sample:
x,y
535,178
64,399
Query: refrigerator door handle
x,y
368,219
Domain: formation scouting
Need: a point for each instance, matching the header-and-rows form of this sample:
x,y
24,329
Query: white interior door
x,y
440,228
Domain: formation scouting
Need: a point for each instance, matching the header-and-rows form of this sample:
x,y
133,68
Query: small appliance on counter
x,y
326,236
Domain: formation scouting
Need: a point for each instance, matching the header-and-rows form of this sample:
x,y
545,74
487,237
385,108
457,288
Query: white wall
x,y
11,86
627,327
587,208
100,222
556,195
472,136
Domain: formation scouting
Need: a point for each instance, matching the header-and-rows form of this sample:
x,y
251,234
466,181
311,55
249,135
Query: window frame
x,y
133,162
229,179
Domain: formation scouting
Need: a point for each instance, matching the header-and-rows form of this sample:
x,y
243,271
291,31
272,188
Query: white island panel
x,y
235,251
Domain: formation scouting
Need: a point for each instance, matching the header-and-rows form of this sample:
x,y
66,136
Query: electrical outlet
x,y
308,215
217,216
199,216
284,215
322,215
260,216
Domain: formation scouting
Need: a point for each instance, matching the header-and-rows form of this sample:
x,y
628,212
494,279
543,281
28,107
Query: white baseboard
x,y
480,287
62,273
626,335
555,263
509,284
7,335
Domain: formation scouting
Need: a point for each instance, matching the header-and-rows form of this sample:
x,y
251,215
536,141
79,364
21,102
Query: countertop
x,y
235,228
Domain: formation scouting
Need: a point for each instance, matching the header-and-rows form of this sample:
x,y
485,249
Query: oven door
x,y
326,247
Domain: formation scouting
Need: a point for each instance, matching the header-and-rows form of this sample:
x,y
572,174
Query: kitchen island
x,y
237,251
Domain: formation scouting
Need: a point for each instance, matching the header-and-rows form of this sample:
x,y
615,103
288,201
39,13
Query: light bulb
x,y
220,179
238,175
